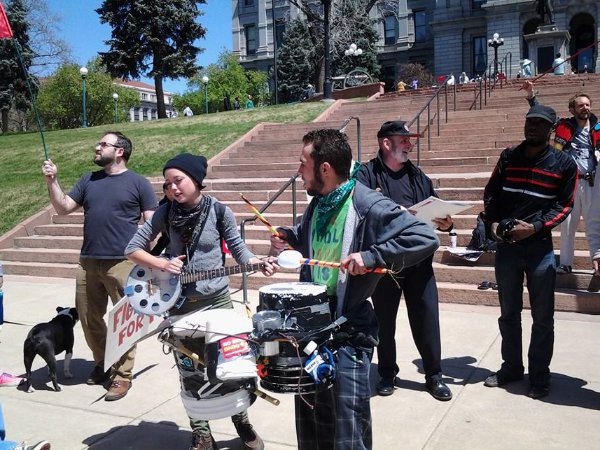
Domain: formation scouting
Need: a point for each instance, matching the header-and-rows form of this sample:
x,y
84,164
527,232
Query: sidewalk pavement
x,y
151,416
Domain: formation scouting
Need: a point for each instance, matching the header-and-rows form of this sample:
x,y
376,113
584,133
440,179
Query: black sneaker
x,y
386,386
249,437
98,375
203,441
500,379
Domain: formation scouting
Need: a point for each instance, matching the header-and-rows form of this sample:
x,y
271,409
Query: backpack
x,y
481,239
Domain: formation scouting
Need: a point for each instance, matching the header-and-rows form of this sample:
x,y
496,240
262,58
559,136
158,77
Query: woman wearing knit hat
x,y
195,229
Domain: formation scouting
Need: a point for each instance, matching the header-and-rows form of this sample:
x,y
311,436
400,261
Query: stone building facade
x,y
446,36
147,107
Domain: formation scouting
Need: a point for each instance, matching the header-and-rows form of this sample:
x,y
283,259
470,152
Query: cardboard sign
x,y
125,328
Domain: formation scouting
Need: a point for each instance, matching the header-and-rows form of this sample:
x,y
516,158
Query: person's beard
x,y
398,154
317,184
103,161
585,115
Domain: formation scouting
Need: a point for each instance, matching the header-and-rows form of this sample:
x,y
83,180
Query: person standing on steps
x,y
114,200
579,137
530,192
396,177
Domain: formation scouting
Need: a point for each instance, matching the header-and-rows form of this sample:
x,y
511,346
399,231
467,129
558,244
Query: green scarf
x,y
330,204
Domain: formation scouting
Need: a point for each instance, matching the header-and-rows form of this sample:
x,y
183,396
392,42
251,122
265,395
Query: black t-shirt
x,y
408,186
113,205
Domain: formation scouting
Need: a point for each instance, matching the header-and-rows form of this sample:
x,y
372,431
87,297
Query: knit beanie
x,y
193,165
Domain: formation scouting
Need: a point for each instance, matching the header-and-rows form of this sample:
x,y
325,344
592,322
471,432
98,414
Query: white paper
x,y
435,208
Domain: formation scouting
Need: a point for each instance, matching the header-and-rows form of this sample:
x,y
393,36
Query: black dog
x,y
50,339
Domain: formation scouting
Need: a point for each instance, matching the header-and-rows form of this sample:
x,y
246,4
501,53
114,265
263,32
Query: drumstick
x,y
316,262
260,217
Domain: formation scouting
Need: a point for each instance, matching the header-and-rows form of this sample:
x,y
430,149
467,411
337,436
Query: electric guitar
x,y
155,291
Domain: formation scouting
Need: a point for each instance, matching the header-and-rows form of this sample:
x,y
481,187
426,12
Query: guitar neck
x,y
192,277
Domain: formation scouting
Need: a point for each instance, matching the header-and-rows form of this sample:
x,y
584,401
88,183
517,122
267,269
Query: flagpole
x,y
35,110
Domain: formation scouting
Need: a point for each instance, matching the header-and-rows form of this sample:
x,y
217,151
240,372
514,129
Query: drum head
x,y
151,291
297,289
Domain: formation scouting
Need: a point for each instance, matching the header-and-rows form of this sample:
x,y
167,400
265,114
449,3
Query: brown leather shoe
x,y
117,390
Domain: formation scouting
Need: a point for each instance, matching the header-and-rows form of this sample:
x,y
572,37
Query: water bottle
x,y
453,238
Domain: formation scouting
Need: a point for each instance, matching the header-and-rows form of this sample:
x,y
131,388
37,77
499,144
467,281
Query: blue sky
x,y
80,27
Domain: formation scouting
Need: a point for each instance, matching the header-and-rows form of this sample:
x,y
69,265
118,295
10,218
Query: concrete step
x,y
40,255
581,259
34,269
50,242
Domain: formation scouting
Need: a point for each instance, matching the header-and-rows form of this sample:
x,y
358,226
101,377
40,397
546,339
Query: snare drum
x,y
303,310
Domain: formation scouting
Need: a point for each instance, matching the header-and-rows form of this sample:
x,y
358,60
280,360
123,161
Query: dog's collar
x,y
65,312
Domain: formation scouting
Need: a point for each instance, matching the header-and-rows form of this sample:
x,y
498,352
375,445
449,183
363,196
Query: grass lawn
x,y
23,189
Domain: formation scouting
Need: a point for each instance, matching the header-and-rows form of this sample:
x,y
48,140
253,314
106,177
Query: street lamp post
x,y
116,99
327,86
205,81
83,71
353,50
496,42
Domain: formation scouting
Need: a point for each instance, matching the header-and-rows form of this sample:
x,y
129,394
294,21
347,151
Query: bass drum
x,y
303,310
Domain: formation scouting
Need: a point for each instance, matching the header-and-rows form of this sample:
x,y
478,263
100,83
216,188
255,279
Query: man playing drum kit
x,y
364,230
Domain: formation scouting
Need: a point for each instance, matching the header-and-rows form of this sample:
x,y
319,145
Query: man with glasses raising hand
x,y
113,200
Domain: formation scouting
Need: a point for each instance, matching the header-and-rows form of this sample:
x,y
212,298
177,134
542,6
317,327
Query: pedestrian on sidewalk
x,y
579,137
531,191
395,176
195,224
114,199
363,229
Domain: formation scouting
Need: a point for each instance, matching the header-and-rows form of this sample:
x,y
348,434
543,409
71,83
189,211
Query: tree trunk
x,y
5,121
160,97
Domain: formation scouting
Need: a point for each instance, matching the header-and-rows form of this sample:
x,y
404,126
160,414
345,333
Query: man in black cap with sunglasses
x,y
392,173
530,192
113,201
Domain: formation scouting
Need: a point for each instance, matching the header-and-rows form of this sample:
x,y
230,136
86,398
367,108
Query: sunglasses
x,y
105,145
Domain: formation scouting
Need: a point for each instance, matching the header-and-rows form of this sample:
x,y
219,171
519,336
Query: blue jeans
x,y
341,417
535,259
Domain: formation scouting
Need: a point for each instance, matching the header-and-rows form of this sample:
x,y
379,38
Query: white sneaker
x,y
6,379
42,445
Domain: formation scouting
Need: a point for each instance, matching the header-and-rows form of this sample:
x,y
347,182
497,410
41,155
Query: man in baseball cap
x,y
392,173
533,184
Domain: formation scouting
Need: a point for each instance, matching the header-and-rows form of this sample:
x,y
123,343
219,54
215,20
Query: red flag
x,y
5,30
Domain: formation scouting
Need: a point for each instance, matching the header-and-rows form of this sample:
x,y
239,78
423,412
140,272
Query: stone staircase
x,y
459,162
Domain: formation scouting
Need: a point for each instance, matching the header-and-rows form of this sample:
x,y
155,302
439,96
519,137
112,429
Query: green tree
x,y
353,26
152,38
415,71
13,85
296,62
349,22
226,77
59,99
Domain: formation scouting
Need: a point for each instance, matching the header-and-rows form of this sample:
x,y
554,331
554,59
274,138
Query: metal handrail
x,y
427,106
292,182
